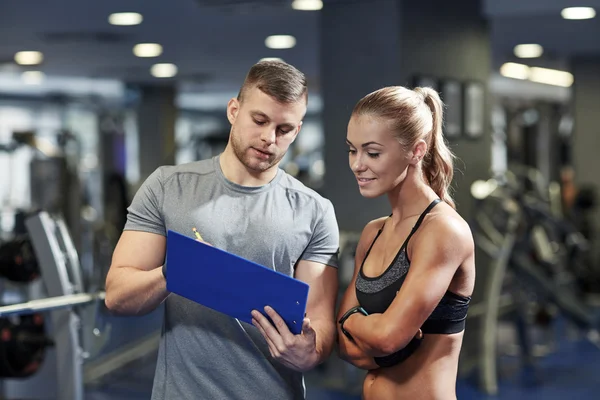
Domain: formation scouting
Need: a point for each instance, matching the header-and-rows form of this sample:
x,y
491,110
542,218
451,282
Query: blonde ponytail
x,y
438,164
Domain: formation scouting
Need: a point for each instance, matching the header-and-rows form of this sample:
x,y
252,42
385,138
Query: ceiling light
x,y
307,5
163,70
125,19
147,50
29,57
515,71
528,50
280,42
32,77
551,76
578,13
271,59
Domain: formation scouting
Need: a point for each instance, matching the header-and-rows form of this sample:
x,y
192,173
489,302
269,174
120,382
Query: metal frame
x,y
510,250
74,313
50,303
499,247
57,268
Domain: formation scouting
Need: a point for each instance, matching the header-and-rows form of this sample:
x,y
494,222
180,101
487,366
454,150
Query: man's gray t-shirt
x,y
204,354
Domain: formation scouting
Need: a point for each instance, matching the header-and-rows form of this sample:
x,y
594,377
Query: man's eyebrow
x,y
259,114
256,113
288,125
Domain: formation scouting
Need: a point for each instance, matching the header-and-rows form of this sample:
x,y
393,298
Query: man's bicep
x,y
145,211
140,250
325,242
323,282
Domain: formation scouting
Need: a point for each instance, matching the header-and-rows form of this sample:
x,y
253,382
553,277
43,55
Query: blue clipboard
x,y
231,284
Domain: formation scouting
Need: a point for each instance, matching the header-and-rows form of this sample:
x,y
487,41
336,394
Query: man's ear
x,y
233,107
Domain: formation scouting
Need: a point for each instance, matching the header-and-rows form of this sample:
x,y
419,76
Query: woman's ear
x,y
419,151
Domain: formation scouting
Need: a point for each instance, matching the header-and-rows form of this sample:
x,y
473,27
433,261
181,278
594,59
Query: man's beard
x,y
252,162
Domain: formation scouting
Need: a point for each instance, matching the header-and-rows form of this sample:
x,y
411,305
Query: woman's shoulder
x,y
370,231
448,225
375,224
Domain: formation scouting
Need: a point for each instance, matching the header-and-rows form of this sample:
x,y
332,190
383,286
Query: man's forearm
x,y
131,291
325,337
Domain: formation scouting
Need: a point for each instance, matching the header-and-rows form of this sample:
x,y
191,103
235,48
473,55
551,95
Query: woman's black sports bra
x,y
375,294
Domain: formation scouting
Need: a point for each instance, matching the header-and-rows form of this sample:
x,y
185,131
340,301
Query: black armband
x,y
347,314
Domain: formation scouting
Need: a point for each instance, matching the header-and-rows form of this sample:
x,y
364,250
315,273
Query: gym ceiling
x,y
212,42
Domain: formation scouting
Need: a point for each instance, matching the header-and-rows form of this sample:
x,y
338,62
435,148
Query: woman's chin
x,y
369,193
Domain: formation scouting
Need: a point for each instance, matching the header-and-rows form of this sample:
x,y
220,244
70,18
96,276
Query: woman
x,y
403,315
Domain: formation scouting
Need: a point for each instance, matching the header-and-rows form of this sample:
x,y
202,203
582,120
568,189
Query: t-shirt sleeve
x,y
145,212
325,242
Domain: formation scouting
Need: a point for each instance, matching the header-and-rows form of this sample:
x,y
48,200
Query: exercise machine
x,y
516,227
79,330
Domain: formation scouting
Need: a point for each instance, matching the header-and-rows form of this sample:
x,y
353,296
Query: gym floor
x,y
569,371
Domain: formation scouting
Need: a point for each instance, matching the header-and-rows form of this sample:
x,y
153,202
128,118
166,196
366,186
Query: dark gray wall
x,y
450,40
388,43
586,135
359,54
156,115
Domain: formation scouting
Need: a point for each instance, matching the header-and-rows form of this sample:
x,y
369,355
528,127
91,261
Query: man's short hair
x,y
280,80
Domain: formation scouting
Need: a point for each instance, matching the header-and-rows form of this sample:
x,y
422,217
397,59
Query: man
x,y
242,202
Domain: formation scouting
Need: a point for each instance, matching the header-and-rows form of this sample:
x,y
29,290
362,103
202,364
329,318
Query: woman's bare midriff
x,y
428,374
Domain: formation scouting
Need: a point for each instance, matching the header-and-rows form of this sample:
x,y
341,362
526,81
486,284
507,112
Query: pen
x,y
197,234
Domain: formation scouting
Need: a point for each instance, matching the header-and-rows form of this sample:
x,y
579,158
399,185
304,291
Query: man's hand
x,y
297,352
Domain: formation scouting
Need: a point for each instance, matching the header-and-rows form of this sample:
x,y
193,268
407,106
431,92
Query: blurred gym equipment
x,y
17,261
534,253
79,330
23,345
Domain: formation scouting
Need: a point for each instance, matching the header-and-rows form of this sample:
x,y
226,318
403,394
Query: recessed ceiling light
x,y
32,77
280,42
536,74
147,50
307,5
578,13
29,58
515,71
125,19
551,76
163,70
271,59
528,50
